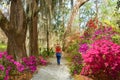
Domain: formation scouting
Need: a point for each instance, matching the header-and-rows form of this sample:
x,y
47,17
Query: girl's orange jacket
x,y
58,49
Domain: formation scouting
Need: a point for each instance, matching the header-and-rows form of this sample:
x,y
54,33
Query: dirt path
x,y
53,71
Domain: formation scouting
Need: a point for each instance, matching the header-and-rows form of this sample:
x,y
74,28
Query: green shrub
x,y
51,52
116,39
73,48
75,69
45,53
76,64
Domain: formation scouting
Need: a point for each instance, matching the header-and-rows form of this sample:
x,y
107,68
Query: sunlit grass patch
x,y
3,47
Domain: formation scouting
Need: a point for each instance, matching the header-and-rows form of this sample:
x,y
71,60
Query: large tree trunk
x,y
17,33
15,30
34,37
33,29
16,45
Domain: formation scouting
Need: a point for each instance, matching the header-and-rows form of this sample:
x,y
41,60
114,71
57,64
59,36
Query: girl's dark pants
x,y
58,55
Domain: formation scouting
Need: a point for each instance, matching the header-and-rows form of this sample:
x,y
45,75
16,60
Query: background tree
x,y
51,20
117,13
32,15
78,4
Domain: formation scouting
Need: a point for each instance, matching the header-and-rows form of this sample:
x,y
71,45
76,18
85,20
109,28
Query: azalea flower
x,y
102,55
2,67
83,48
30,62
19,66
1,55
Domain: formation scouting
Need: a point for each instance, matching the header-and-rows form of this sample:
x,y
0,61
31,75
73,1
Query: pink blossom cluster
x,y
20,67
10,64
30,63
106,33
7,71
2,67
76,64
103,56
42,61
83,48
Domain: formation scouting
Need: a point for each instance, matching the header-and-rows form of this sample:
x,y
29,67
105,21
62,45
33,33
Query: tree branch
x,y
78,4
4,23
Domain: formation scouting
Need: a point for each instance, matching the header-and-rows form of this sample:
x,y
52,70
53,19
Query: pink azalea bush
x,y
42,61
102,57
30,63
10,64
100,51
7,72
2,67
105,32
20,67
76,64
83,48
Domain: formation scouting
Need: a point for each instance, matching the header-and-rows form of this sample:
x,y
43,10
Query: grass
x,y
68,59
3,47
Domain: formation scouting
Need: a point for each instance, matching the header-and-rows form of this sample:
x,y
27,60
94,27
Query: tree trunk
x,y
48,37
72,4
34,37
15,30
33,29
63,41
17,33
97,9
78,4
48,26
16,45
16,42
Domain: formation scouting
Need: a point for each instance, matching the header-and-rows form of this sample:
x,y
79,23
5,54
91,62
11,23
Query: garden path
x,y
53,71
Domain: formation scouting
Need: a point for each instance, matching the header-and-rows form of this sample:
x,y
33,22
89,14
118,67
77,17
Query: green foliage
x,y
51,52
86,41
1,78
2,74
107,13
76,69
3,47
118,4
73,48
74,57
76,66
44,53
116,39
